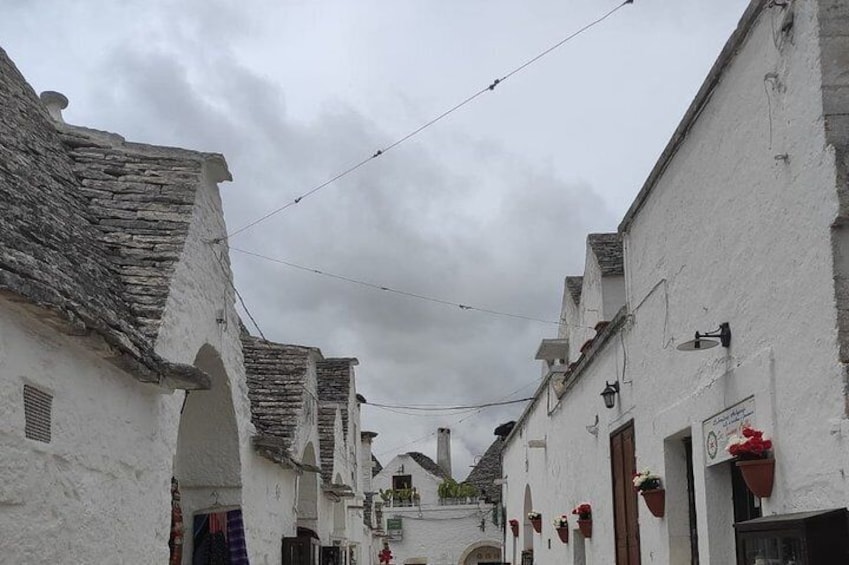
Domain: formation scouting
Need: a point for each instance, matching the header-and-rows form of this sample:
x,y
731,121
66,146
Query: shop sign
x,y
718,428
394,529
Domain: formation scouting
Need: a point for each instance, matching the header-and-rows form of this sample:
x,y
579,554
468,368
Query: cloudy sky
x,y
490,207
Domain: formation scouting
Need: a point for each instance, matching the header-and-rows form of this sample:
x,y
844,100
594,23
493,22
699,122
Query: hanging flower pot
x,y
759,475
561,526
655,500
514,527
563,534
757,467
584,512
535,518
537,525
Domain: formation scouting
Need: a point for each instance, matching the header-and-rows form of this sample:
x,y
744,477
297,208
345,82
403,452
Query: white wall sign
x,y
718,428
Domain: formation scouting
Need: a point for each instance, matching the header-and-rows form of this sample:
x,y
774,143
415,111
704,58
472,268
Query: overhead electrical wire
x,y
449,408
429,123
414,295
463,419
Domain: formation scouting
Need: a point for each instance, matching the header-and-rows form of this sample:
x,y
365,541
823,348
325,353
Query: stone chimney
x,y
366,464
443,449
55,102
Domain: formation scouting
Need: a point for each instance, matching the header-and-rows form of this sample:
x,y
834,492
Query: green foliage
x,y
400,495
452,489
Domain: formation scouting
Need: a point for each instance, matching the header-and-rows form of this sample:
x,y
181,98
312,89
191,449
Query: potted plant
x,y
535,519
561,525
585,518
649,486
514,527
756,465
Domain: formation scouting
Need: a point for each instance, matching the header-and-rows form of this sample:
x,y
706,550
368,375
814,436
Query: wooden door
x,y
300,551
625,518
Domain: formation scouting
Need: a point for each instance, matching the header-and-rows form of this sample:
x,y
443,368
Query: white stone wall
x,y
200,296
426,484
443,535
104,475
729,234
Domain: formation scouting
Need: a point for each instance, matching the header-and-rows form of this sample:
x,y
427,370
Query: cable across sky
x,y
380,152
414,295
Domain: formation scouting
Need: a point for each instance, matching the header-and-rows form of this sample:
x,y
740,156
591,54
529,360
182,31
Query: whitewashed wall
x,y
199,296
443,535
735,235
424,482
730,233
101,474
573,467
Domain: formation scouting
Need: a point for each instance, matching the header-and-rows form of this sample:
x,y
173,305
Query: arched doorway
x,y
207,464
527,528
308,492
480,553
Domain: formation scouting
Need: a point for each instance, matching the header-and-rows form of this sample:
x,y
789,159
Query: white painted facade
x,y
438,534
99,491
736,228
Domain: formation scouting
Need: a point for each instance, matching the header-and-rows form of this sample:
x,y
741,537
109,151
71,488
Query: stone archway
x,y
308,492
481,552
527,528
207,464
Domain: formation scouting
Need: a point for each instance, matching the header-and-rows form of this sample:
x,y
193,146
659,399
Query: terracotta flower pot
x,y
586,527
514,527
759,475
563,534
656,501
537,525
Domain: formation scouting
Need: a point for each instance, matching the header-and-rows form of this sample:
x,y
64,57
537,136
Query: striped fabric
x,y
236,538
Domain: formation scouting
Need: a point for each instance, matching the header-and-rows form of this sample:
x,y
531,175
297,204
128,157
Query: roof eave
x,y
726,56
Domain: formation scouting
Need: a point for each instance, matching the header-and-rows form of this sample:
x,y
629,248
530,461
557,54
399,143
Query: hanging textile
x,y
219,539
236,538
175,541
219,553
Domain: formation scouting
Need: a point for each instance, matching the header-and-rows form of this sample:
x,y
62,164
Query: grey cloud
x,y
462,212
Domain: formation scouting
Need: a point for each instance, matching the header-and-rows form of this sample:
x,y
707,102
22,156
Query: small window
x,y
402,482
38,406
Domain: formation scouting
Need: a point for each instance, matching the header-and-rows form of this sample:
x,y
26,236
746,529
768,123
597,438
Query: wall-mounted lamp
x,y
723,333
609,393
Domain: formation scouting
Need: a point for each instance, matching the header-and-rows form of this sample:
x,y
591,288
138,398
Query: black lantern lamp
x,y
723,333
609,393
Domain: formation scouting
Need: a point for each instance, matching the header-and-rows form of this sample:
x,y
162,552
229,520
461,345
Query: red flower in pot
x,y
514,527
756,465
585,518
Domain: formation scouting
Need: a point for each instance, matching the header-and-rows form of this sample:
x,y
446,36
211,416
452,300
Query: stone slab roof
x,y
141,200
327,441
335,376
276,377
575,286
487,470
607,248
376,466
334,384
428,464
53,253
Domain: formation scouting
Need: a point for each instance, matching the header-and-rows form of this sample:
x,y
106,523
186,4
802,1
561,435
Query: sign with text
x,y
394,528
718,428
